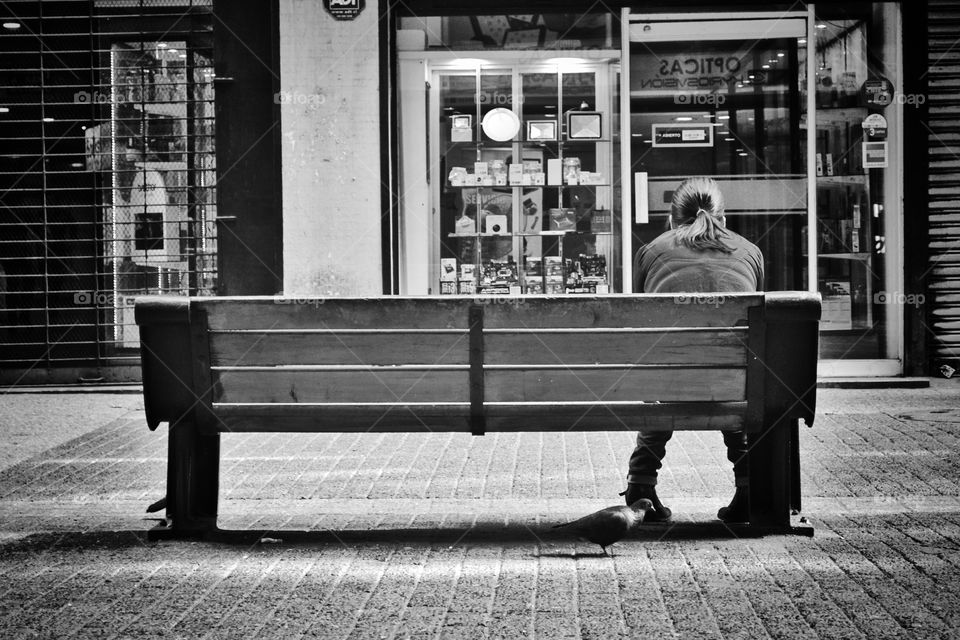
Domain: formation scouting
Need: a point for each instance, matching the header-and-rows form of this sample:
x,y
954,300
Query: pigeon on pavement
x,y
608,525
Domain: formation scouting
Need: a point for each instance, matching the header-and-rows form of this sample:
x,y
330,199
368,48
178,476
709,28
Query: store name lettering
x,y
695,73
699,66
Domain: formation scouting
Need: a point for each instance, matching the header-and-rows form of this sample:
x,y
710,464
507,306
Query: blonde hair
x,y
697,214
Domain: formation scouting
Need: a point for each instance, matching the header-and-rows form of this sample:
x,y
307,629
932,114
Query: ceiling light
x,y
780,54
743,154
802,41
821,26
765,66
683,118
4,109
11,25
723,116
728,139
162,45
48,119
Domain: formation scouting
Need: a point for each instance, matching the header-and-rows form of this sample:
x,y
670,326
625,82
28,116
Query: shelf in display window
x,y
525,186
863,256
843,181
548,233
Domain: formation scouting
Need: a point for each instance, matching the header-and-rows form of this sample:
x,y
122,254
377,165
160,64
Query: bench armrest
x,y
790,359
166,358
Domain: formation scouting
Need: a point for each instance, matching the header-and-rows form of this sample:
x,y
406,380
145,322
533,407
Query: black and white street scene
x,y
368,319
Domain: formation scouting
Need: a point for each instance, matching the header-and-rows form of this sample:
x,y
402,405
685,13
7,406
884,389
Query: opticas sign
x,y
704,70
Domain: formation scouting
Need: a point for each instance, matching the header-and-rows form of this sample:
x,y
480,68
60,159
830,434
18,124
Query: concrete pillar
x,y
330,119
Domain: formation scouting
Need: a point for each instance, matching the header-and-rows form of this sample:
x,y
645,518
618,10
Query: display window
x,y
515,194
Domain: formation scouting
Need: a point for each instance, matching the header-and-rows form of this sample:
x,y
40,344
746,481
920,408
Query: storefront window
x,y
157,155
856,106
563,31
522,144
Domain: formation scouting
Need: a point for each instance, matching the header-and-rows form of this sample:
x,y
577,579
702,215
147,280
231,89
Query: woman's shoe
x,y
635,492
739,508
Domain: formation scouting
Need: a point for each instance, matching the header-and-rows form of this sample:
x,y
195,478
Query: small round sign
x,y
874,127
877,92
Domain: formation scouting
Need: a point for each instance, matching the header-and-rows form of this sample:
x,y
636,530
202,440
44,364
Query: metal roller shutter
x,y
106,177
944,165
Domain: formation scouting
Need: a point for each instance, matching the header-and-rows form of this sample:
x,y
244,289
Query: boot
x,y
634,492
739,508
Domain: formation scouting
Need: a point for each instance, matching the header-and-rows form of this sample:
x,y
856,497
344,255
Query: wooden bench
x,y
452,363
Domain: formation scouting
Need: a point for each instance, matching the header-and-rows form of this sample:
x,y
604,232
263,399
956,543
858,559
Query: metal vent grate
x,y
107,177
944,166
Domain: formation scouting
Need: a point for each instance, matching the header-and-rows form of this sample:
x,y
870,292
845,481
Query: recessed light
x,y
11,25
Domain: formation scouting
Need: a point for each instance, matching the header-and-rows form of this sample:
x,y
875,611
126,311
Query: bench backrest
x,y
461,363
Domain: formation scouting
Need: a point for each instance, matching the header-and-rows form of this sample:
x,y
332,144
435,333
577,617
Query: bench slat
x,y
664,310
228,349
661,384
341,313
563,416
655,310
383,385
725,347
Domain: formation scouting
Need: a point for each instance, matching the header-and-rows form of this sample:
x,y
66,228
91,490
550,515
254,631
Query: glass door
x,y
722,99
796,116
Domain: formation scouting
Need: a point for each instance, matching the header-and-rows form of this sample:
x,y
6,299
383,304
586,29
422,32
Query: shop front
x,y
538,153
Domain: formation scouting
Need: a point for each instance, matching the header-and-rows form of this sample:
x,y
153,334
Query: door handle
x,y
641,195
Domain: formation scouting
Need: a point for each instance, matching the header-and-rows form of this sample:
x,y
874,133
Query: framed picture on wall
x,y
584,125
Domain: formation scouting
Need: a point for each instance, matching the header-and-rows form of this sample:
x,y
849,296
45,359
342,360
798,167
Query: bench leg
x,y
770,475
796,505
193,470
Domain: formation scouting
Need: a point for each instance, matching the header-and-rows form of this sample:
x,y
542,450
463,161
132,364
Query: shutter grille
x,y
944,164
106,176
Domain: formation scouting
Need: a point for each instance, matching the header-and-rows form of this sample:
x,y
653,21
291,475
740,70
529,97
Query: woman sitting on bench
x,y
698,254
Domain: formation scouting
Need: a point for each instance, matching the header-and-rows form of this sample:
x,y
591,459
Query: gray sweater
x,y
664,266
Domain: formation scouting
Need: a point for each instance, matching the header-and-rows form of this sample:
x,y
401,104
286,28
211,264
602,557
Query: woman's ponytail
x,y
697,214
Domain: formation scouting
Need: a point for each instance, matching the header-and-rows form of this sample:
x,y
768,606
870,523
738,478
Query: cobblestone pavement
x,y
450,536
